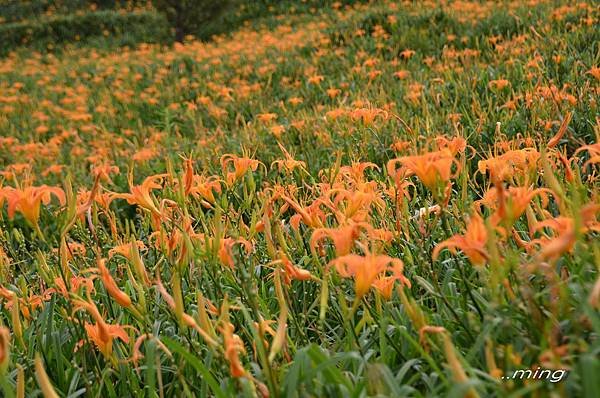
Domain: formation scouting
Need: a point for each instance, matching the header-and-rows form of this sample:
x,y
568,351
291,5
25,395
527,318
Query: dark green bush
x,y
20,10
130,28
191,17
41,24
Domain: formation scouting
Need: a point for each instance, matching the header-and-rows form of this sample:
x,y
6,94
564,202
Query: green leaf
x,y
174,346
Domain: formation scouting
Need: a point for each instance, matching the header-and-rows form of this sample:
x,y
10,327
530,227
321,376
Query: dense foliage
x,y
52,25
124,29
353,200
20,10
189,17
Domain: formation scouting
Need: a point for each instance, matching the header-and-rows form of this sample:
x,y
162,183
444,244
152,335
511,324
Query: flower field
x,y
367,199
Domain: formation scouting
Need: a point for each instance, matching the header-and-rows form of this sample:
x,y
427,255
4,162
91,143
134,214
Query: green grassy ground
x,y
354,200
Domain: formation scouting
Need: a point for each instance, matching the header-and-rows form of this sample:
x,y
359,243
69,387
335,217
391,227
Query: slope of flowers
x,y
384,199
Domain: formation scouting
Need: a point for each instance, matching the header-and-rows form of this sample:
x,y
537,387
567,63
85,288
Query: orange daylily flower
x,y
312,215
4,259
141,195
291,271
384,283
333,92
75,283
355,173
177,238
295,101
432,168
189,175
131,252
137,354
566,164
125,249
593,151
406,54
472,243
368,115
111,286
101,333
72,249
103,336
335,114
511,164
566,234
24,305
104,171
343,237
511,203
595,72
233,344
455,145
315,79
367,269
266,117
144,154
205,188
414,94
277,130
265,327
85,199
553,248
399,190
226,247
499,84
27,201
4,349
402,74
200,186
241,165
355,206
561,131
54,169
289,163
233,347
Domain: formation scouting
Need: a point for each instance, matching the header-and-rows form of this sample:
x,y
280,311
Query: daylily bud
x,y
16,320
20,382
138,263
458,372
4,349
178,297
111,286
280,335
43,379
412,310
64,257
205,322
